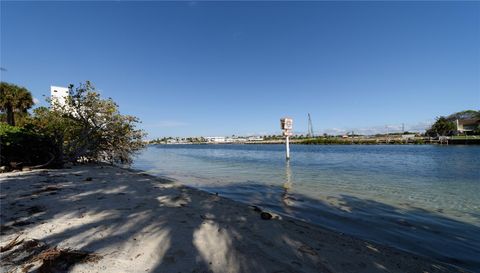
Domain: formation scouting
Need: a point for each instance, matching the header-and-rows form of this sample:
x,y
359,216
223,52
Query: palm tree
x,y
14,98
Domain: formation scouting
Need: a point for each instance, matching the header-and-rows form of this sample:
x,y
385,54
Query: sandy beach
x,y
99,218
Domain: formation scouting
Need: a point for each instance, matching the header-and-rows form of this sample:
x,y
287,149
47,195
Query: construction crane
x,y
310,127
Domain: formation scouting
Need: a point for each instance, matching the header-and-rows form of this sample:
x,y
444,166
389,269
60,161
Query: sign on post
x,y
286,124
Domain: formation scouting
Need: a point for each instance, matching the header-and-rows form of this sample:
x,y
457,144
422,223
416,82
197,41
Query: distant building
x,y
216,139
254,138
408,136
467,125
235,139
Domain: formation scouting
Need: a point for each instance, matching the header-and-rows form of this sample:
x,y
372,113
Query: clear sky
x,y
223,68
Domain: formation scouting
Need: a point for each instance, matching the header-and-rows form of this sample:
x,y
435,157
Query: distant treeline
x,y
348,141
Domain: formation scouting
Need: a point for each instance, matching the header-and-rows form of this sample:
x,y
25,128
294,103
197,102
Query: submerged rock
x,y
266,216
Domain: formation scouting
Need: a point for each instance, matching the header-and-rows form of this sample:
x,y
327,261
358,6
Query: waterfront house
x,y
467,125
408,136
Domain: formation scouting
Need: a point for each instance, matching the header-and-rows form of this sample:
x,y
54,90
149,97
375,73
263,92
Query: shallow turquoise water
x,y
424,199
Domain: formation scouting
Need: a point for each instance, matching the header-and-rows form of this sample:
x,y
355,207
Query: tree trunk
x,y
52,158
10,118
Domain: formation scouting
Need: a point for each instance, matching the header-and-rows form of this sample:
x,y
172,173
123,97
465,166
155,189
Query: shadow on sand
x,y
160,226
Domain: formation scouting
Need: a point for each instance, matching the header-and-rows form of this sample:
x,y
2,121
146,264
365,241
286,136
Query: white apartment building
x,y
59,95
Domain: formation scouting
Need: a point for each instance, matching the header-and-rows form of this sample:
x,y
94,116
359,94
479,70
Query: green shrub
x,y
419,141
21,147
89,128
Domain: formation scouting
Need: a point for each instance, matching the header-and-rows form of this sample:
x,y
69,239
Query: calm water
x,y
424,199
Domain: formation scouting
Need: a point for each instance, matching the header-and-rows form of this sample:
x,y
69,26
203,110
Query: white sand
x,y
139,223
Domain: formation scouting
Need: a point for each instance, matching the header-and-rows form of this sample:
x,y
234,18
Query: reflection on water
x,y
287,199
420,198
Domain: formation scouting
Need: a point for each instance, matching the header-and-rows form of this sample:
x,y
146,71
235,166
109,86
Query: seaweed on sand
x,y
34,255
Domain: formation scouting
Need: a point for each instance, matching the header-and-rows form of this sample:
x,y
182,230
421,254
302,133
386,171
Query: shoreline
x,y
143,223
341,143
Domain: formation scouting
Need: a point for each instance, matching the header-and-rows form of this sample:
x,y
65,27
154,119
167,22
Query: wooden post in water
x,y
287,125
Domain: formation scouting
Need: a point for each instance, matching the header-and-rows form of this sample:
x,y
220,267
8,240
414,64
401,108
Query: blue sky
x,y
222,68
